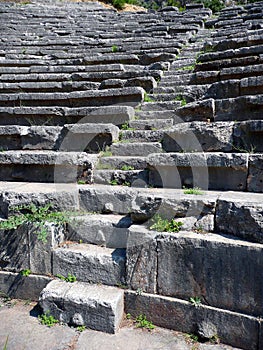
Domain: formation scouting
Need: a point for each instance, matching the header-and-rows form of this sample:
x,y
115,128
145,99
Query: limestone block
x,y
96,307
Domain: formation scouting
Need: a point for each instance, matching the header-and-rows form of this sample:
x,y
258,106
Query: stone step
x,y
226,54
227,63
93,306
118,162
91,263
238,108
179,247
72,137
130,178
158,114
116,115
159,106
109,230
215,171
47,87
32,66
46,166
135,148
142,135
201,211
203,319
214,137
132,96
154,124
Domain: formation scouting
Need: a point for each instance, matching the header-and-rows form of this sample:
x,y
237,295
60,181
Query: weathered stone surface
x,y
62,115
21,248
118,162
91,263
239,108
133,178
241,216
96,307
200,110
106,199
88,137
142,251
129,95
147,83
199,136
135,148
183,316
205,170
104,230
37,137
191,264
17,286
255,176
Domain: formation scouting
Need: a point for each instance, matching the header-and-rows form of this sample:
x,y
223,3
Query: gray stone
x,y
147,83
93,306
133,178
22,249
182,316
88,137
17,286
205,170
104,230
255,176
207,330
199,136
201,110
240,216
91,263
118,162
129,95
37,137
135,148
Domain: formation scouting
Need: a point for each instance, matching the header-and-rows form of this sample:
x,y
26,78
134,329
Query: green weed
x,y
81,328
195,301
5,345
194,190
142,322
70,278
127,167
47,320
25,272
164,225
38,216
114,48
147,98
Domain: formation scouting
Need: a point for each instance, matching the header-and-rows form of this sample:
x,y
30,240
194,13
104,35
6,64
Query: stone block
x,y
199,136
104,230
235,329
87,137
241,216
17,286
96,307
205,170
255,175
91,263
200,110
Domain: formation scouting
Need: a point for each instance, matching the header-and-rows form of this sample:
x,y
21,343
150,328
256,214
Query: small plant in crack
x,y
38,216
70,278
142,322
164,225
25,272
195,301
47,320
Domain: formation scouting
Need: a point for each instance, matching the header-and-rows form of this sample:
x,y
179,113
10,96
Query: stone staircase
x,y
113,118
